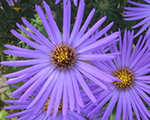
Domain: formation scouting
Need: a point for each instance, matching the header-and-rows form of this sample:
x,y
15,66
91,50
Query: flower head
x,y
59,64
32,114
132,93
137,13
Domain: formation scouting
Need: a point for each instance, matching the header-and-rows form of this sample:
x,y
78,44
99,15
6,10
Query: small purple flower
x,y
130,95
59,64
137,13
75,1
11,2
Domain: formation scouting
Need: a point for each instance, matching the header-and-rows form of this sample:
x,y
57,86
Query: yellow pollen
x,y
63,56
58,107
126,76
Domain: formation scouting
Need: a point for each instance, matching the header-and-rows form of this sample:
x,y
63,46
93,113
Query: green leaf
x,y
24,1
3,114
6,6
17,16
112,116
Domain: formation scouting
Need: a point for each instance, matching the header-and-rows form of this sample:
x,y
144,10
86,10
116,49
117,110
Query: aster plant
x,y
142,11
131,95
59,64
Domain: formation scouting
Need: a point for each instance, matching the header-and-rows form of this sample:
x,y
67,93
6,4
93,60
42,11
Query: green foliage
x,y
3,113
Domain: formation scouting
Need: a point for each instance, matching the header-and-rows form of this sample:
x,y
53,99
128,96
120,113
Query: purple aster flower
x,y
11,2
32,114
137,13
59,64
75,1
130,95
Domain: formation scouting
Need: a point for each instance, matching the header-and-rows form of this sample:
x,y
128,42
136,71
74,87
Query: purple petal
x,y
26,54
85,25
53,76
70,90
32,44
90,31
23,62
110,106
38,34
77,91
78,21
53,26
66,19
84,86
27,70
109,39
99,57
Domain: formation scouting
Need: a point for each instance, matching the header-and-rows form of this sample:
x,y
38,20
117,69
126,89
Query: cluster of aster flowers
x,y
83,73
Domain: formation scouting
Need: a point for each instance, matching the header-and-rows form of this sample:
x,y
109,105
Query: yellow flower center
x,y
63,56
126,76
58,107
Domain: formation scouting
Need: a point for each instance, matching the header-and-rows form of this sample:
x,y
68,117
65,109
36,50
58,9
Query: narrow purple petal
x,y
95,72
53,26
90,31
98,82
21,77
34,37
110,106
77,91
109,39
139,4
38,34
134,107
23,62
84,86
124,103
142,29
27,70
65,99
78,21
29,42
45,24
100,105
31,81
66,19
143,95
119,107
85,25
70,90
99,57
35,85
58,96
26,54
129,109
53,76
96,36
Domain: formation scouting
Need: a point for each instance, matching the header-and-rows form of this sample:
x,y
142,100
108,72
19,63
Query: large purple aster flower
x,y
75,1
34,113
137,13
59,64
130,95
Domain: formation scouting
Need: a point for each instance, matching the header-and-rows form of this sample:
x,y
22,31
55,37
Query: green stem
x,y
1,54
